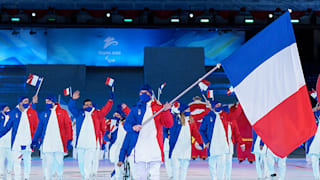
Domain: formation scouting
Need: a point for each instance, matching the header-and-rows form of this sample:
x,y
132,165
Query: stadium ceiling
x,y
172,13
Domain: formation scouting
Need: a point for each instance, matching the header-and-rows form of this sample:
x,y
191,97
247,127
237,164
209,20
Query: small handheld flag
x,y
160,90
230,90
203,85
67,91
109,81
34,80
210,94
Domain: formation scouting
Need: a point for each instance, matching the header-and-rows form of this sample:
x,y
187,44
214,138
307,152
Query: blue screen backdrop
x,y
110,47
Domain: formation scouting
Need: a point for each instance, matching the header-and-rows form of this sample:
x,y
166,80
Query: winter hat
x,y
146,87
21,98
183,107
2,106
214,103
119,110
52,98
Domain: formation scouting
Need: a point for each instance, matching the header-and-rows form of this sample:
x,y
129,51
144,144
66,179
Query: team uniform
x,y
198,110
118,134
23,124
313,148
213,132
90,126
148,142
55,133
260,155
233,137
180,145
5,150
245,129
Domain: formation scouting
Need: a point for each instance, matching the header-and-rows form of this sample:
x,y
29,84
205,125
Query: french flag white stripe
x,y
271,83
34,80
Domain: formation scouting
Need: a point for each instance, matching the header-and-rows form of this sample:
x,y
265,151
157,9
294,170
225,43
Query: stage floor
x,y
297,169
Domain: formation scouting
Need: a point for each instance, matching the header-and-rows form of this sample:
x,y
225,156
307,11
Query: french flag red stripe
x,y
287,124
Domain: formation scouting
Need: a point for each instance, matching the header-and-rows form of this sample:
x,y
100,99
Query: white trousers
x,y
217,166
228,166
147,170
87,162
17,156
180,168
167,163
261,164
95,165
52,162
5,154
315,165
271,159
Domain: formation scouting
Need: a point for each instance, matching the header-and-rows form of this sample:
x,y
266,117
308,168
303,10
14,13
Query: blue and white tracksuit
x,y
313,148
5,150
260,154
23,125
180,146
213,132
147,143
117,137
271,159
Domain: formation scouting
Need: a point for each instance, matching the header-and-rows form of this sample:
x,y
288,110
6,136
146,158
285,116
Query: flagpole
x,y
158,94
70,91
59,96
39,87
204,97
184,92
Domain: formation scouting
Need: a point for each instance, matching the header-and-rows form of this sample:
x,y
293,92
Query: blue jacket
x,y
98,117
309,141
14,121
135,117
175,132
206,129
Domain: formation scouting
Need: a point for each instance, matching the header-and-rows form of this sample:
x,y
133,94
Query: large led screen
x,y
109,47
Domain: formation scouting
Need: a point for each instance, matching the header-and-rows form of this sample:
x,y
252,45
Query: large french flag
x,y
268,81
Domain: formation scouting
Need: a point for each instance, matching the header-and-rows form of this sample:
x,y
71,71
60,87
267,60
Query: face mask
x,y
25,105
218,109
144,97
49,106
88,109
7,112
187,113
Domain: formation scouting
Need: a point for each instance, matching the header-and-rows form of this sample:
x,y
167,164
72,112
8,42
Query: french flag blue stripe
x,y
241,63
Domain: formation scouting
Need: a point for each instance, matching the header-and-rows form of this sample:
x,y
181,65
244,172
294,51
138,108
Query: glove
x,y
69,145
103,147
111,95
